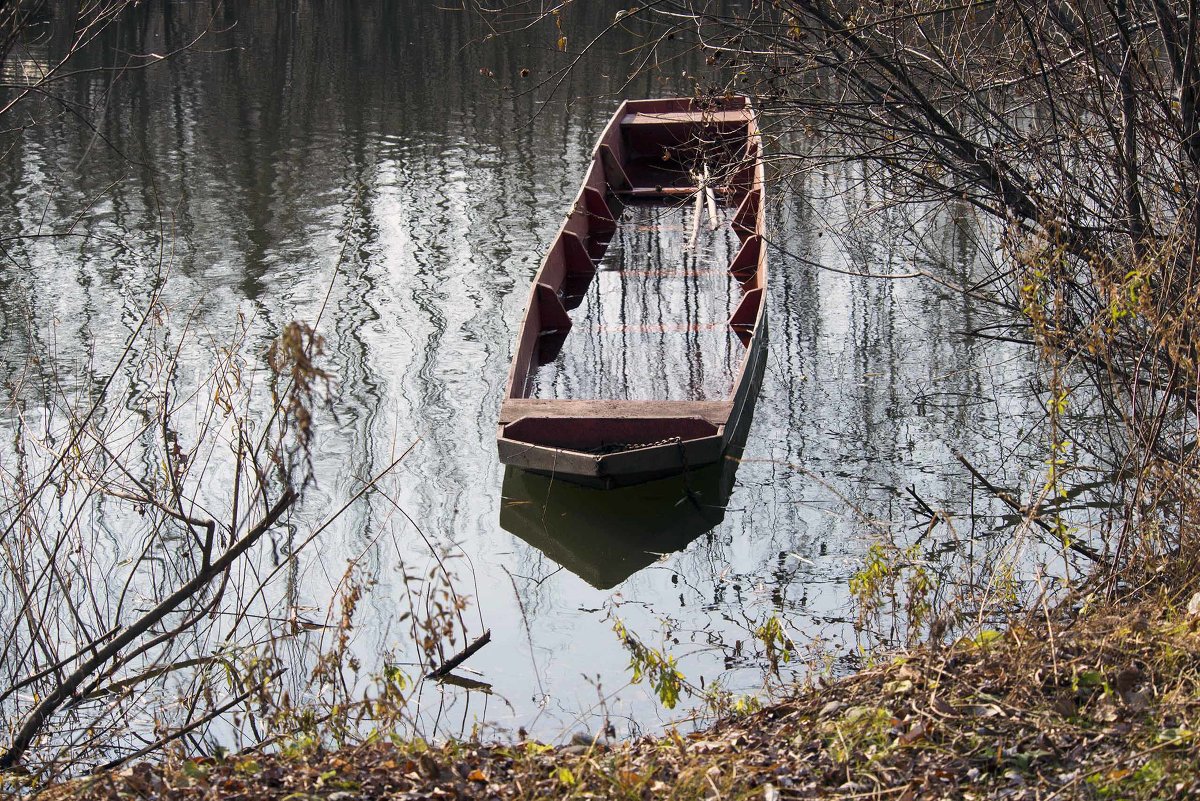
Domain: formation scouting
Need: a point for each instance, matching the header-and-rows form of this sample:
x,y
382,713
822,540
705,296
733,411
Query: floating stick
x,y
711,197
454,661
691,245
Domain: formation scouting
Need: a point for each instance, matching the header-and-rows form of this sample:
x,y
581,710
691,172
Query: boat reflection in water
x,y
604,536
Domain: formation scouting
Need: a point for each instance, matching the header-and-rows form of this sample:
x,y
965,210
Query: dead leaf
x,y
630,777
917,732
1104,711
477,775
830,709
1137,700
940,705
1064,704
985,710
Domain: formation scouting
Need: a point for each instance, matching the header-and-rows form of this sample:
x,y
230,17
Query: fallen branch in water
x,y
112,649
1031,514
462,656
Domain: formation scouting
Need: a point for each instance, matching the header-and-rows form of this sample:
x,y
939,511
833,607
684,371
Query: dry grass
x,y
1101,704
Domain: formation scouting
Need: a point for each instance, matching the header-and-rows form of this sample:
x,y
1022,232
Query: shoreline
x,y
1099,705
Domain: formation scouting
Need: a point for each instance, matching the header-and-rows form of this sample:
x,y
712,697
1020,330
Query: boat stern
x,y
609,452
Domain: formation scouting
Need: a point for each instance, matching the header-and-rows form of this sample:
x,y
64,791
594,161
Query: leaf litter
x,y
1103,705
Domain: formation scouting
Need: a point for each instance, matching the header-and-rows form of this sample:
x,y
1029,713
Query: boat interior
x,y
652,322
652,289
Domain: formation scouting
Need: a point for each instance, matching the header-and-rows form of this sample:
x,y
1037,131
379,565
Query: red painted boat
x,y
675,160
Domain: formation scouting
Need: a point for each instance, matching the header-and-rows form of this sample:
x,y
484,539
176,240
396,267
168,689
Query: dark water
x,y
383,166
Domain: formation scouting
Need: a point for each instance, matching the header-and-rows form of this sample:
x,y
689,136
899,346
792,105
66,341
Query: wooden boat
x,y
683,157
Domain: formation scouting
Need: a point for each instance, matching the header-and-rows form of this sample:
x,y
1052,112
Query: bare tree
x,y
1072,123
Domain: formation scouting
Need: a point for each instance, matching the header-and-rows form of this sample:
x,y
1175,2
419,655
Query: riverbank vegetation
x,y
1099,706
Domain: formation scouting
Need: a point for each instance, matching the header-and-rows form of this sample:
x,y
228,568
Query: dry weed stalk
x,y
103,635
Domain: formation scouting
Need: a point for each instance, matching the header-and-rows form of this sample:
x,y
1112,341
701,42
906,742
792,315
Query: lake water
x,y
390,165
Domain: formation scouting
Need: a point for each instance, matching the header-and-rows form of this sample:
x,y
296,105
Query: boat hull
x,y
606,536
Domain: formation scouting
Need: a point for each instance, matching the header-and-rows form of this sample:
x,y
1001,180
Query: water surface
x,y
386,168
